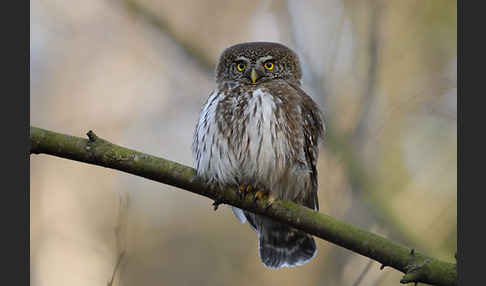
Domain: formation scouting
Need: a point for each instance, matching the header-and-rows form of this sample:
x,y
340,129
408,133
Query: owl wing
x,y
314,130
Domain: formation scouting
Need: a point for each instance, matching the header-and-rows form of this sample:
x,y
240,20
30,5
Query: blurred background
x,y
137,72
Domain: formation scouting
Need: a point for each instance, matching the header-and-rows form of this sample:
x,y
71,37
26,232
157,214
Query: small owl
x,y
259,131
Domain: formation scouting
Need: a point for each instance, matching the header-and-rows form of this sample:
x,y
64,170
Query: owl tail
x,y
280,245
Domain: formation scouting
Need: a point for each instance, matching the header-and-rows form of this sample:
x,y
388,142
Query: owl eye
x,y
268,66
241,66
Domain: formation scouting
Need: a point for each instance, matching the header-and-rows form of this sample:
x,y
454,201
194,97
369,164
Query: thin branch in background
x,y
115,269
367,99
120,233
203,60
363,273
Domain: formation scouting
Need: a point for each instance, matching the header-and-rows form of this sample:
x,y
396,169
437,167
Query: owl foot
x,y
243,190
260,195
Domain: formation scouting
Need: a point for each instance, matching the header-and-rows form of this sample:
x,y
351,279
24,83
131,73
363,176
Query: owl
x,y
260,132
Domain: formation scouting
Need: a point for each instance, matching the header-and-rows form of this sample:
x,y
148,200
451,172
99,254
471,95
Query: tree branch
x,y
94,150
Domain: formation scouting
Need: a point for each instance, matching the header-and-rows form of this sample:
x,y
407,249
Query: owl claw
x,y
258,195
243,190
269,201
261,194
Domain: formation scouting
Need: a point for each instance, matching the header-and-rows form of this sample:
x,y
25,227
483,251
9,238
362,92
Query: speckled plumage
x,y
265,134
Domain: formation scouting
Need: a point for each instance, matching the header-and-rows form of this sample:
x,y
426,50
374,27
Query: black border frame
x,y
15,117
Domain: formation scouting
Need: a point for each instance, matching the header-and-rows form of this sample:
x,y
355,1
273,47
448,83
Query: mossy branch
x,y
94,150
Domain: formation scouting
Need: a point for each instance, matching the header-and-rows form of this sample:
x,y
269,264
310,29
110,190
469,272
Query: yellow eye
x,y
268,66
241,66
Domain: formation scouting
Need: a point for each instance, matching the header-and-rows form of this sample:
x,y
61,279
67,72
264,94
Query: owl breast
x,y
247,136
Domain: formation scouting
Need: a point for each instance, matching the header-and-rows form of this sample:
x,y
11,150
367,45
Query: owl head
x,y
257,62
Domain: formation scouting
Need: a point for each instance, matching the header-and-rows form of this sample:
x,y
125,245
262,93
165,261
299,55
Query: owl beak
x,y
253,75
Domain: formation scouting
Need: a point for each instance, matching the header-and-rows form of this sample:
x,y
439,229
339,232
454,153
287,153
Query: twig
x,y
363,273
120,231
115,270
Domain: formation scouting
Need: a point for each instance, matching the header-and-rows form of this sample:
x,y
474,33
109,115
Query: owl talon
x,y
269,201
243,190
261,195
